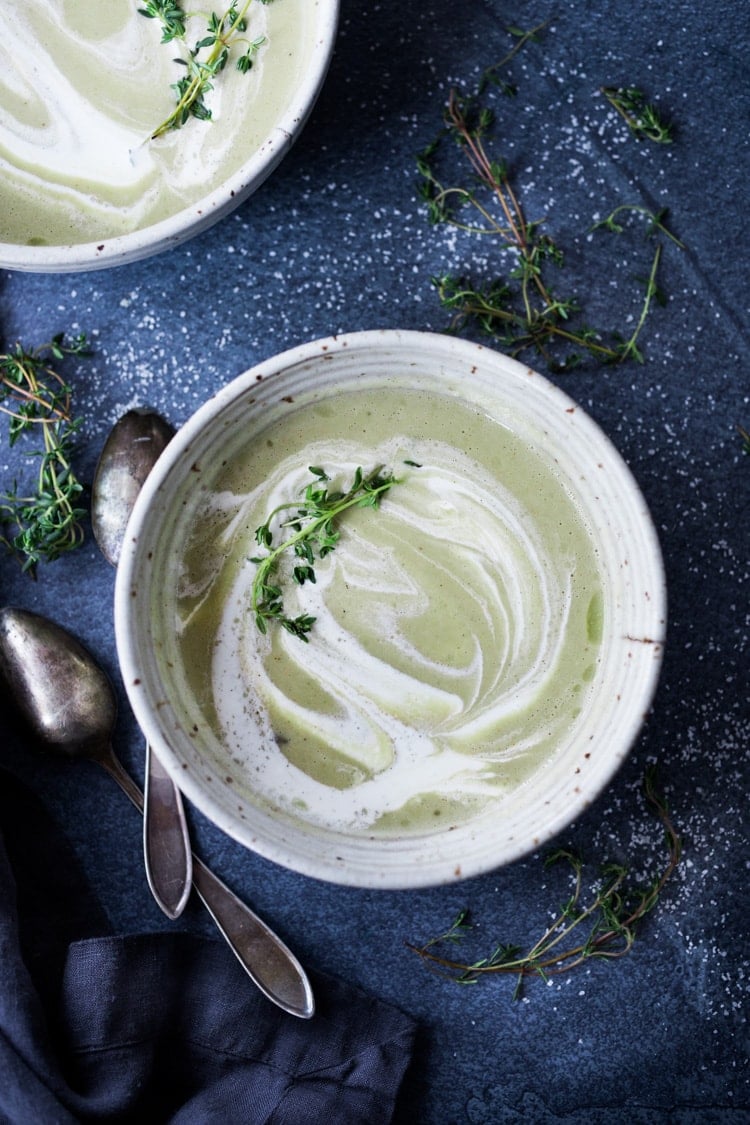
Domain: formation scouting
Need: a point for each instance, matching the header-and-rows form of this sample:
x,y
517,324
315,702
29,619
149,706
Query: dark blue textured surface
x,y
336,241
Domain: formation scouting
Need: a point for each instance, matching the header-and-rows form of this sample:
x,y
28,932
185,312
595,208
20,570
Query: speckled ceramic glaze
x,y
219,778
210,198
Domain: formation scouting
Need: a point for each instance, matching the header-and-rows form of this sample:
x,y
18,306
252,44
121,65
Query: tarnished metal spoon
x,y
69,704
130,452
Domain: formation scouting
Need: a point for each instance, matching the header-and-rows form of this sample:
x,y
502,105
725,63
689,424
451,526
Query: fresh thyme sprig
x,y
609,923
313,529
642,119
745,439
48,523
522,310
223,34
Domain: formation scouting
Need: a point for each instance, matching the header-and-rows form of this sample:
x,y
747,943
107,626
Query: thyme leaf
x,y
642,119
604,928
47,523
314,534
171,16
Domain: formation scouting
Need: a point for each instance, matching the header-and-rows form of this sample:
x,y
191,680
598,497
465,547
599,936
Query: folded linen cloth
x,y
162,1027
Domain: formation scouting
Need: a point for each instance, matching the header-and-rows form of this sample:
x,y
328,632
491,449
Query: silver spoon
x,y
129,454
68,702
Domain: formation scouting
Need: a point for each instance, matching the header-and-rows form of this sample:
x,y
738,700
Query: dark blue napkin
x,y
162,1027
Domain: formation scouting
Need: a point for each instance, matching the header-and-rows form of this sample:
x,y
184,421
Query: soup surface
x,y
457,626
82,87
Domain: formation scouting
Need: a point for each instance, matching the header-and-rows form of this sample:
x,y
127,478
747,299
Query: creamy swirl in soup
x,y
82,86
457,627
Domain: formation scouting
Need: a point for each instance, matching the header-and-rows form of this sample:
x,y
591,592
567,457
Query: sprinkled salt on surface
x,y
337,240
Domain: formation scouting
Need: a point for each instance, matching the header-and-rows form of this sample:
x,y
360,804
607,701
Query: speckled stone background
x,y
337,240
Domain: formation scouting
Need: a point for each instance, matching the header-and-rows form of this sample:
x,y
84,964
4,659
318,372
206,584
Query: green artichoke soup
x,y
456,626
84,85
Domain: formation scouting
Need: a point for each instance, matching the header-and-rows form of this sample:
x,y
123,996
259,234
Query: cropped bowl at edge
x,y
184,222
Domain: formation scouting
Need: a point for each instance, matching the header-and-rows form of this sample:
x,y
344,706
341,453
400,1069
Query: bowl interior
x,y
115,196
224,774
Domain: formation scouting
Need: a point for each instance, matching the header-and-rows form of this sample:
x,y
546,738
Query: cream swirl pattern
x,y
452,645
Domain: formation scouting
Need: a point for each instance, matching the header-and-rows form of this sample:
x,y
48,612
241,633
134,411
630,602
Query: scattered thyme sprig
x,y
610,922
46,524
523,310
642,119
313,529
223,34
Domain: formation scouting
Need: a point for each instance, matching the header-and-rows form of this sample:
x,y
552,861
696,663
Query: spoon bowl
x,y
132,448
60,692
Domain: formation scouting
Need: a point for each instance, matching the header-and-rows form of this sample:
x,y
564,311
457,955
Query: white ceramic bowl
x,y
184,223
587,467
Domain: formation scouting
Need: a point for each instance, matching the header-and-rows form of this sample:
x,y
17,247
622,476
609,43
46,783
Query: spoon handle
x,y
166,843
264,956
